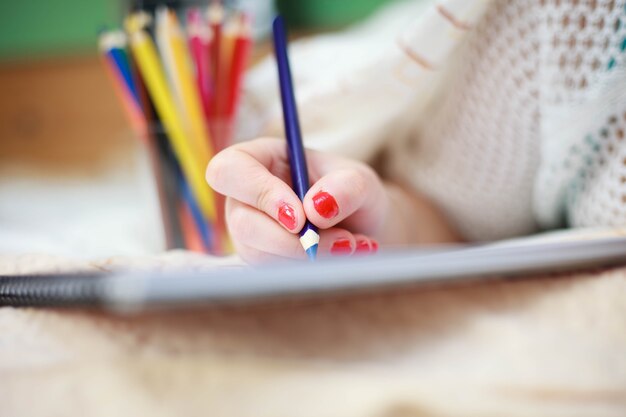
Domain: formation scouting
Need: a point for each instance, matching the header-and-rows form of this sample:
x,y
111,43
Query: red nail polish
x,y
362,246
325,204
374,246
341,247
287,216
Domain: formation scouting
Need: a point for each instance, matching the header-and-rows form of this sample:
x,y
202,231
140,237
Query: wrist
x,y
413,219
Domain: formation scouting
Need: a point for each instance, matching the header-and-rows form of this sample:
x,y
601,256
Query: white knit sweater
x,y
510,115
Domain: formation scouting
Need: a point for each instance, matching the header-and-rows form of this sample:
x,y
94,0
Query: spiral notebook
x,y
134,290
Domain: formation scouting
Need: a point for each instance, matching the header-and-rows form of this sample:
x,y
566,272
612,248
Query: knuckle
x,y
264,197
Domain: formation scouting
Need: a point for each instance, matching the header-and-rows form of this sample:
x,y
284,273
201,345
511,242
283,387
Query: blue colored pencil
x,y
309,237
121,59
202,224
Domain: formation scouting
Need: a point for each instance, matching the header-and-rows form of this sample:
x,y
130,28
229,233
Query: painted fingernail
x,y
287,216
374,246
341,247
362,246
325,204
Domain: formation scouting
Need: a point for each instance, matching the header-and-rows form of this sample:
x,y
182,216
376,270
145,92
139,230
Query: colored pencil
x,y
215,15
177,61
129,90
201,225
309,237
191,107
241,53
168,170
175,97
152,72
112,45
193,239
200,44
229,35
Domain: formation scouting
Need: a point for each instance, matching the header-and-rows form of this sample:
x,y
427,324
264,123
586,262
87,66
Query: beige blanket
x,y
547,346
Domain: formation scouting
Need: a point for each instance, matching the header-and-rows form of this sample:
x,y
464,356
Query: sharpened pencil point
x,y
312,252
310,240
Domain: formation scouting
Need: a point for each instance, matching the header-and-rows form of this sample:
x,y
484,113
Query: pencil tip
x,y
312,252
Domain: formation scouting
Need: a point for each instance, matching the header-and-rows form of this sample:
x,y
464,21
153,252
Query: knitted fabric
x,y
529,128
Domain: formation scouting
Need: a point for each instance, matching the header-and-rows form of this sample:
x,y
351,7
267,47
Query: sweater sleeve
x,y
358,89
582,177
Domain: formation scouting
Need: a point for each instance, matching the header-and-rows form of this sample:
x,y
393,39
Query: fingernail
x,y
287,216
374,246
325,204
341,247
362,246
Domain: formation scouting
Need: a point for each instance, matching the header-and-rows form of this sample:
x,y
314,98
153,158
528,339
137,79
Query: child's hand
x,y
346,201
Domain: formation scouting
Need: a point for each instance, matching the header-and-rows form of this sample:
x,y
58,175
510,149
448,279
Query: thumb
x,y
354,196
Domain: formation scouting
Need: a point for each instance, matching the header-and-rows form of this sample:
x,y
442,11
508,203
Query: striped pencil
x,y
309,237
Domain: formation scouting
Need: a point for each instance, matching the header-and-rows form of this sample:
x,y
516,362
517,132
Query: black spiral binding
x,y
62,290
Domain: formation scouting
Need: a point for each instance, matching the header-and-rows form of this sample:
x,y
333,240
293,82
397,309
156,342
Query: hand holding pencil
x,y
270,208
298,209
281,202
347,202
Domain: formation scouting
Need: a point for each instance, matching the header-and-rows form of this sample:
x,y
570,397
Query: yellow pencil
x,y
178,65
192,164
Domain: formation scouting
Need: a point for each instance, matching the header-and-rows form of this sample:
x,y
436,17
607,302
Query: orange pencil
x,y
241,54
191,235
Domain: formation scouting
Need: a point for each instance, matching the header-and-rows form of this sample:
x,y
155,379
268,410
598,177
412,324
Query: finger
x,y
243,172
257,238
255,230
336,242
365,245
354,193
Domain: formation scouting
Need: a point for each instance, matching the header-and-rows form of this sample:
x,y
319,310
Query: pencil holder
x,y
179,80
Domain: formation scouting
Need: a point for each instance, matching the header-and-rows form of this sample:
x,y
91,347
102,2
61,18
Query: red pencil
x,y
241,54
200,39
216,19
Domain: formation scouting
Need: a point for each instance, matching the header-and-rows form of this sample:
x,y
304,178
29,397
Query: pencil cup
x,y
178,77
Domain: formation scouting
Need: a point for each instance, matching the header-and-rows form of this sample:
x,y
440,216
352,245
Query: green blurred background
x,y
53,27
326,14
65,27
